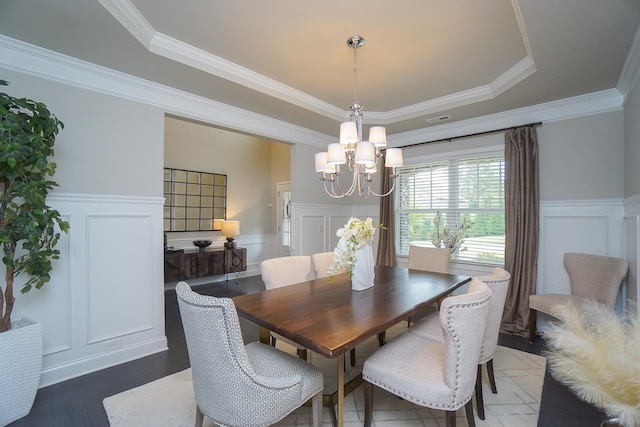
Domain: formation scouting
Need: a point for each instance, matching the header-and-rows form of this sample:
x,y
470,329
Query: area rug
x,y
169,402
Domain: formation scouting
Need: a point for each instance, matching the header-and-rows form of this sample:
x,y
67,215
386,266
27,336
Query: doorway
x,y
283,215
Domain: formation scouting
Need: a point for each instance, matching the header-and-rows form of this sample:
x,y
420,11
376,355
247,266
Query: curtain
x,y
521,226
387,242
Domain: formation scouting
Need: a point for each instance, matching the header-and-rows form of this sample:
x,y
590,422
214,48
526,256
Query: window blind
x,y
465,189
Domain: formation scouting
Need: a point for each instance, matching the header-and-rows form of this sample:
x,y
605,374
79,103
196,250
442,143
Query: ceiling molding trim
x,y
564,109
631,70
184,53
127,15
514,75
36,61
160,44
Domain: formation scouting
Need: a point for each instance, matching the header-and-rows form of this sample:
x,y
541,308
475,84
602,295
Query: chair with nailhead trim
x,y
429,327
430,373
236,384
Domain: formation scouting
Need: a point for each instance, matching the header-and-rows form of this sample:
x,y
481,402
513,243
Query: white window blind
x,y
465,188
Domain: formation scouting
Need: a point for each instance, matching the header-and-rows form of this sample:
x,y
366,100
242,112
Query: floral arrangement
x,y
354,235
597,355
444,238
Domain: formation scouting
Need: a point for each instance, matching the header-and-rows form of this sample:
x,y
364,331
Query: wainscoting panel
x,y
104,304
632,233
117,280
587,226
315,226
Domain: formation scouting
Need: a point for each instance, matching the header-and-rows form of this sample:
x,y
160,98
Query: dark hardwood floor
x,y
78,402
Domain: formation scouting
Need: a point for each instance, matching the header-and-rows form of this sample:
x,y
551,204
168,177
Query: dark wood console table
x,y
193,263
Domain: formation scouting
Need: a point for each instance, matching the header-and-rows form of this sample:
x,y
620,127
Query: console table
x,y
194,263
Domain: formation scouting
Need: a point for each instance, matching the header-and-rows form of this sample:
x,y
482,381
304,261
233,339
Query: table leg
x,y
264,335
340,390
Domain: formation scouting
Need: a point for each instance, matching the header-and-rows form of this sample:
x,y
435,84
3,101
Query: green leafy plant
x,y
27,135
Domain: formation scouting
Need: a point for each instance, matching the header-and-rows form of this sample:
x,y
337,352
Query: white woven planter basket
x,y
21,356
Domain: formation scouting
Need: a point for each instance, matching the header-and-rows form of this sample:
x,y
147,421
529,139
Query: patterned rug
x,y
169,402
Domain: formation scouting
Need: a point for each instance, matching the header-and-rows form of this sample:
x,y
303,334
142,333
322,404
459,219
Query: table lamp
x,y
230,229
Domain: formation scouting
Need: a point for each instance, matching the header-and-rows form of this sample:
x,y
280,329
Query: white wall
x,y
109,158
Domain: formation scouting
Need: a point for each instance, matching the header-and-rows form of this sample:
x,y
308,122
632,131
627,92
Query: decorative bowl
x,y
202,243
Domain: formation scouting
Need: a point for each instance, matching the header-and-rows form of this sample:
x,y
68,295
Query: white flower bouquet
x,y
354,235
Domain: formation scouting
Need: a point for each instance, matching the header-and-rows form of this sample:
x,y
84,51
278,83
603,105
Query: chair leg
x,y
272,341
199,417
492,378
316,409
479,398
368,403
451,419
332,411
352,356
468,408
382,338
533,319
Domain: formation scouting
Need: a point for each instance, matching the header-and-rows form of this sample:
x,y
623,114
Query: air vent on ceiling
x,y
439,119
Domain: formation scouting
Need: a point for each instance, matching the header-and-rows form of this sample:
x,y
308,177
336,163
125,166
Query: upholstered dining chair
x,y
236,384
591,276
321,262
429,259
431,373
426,258
285,271
429,327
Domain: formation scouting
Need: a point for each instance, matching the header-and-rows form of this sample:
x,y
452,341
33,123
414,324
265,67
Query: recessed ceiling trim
x,y
128,15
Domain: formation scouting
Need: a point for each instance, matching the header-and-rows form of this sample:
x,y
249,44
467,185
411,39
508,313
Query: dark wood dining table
x,y
329,318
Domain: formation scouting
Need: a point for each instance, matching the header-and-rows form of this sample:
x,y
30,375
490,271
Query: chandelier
x,y
361,157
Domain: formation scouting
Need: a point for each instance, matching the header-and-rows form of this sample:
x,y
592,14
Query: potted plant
x,y
29,231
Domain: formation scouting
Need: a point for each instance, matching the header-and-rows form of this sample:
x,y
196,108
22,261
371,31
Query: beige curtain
x,y
521,225
387,242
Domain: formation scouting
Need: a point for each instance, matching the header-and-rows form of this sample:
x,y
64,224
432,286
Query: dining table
x,y
329,318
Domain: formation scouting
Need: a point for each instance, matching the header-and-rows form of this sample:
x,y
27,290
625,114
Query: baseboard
x,y
95,363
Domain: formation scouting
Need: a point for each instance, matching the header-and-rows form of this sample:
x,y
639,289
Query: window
x,y
470,188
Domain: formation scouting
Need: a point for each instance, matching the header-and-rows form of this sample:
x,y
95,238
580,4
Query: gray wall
x,y
582,158
632,144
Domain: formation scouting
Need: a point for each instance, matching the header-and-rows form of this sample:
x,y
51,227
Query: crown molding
x,y
631,70
564,109
131,19
33,60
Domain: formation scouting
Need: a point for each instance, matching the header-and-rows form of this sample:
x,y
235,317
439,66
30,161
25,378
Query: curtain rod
x,y
471,134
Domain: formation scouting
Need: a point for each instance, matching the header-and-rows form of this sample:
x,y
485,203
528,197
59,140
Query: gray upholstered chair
x,y
236,384
592,277
285,271
431,373
429,327
321,263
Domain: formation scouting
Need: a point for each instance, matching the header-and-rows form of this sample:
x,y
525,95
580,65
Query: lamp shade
x,y
393,158
321,163
366,154
378,136
348,133
230,228
336,155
